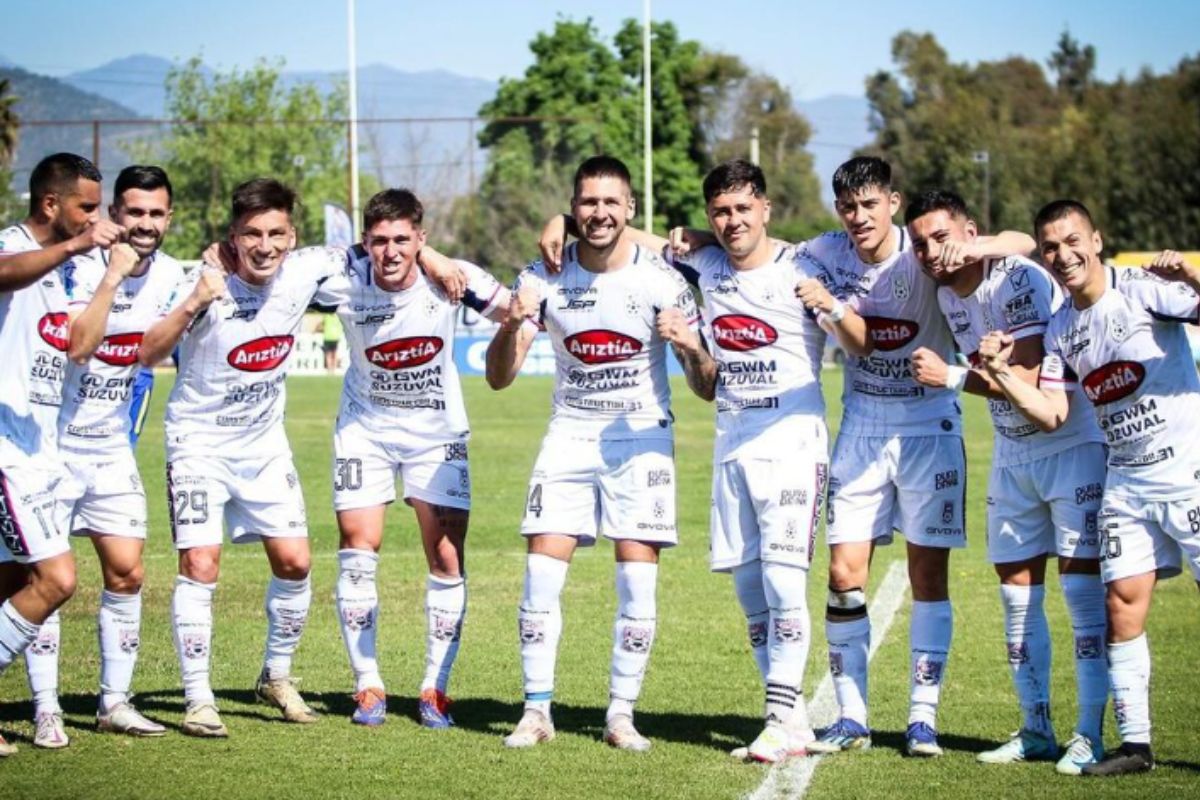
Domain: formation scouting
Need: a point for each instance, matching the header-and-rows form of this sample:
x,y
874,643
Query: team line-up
x,y
1086,369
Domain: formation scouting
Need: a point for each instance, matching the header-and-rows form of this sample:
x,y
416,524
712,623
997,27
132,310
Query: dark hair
x,y
733,176
602,167
863,172
145,177
391,204
936,200
259,195
1059,209
58,174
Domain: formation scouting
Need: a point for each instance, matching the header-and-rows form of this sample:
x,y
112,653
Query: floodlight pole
x,y
647,125
353,118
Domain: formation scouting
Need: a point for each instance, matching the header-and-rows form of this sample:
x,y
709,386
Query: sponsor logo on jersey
x,y
120,349
53,329
260,355
602,346
410,351
740,333
1113,381
891,334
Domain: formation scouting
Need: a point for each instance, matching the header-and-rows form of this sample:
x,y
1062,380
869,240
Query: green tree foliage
x,y
1126,149
11,207
240,125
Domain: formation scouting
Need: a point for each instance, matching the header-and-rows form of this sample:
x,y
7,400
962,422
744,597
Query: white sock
x,y
191,613
41,664
358,611
118,624
791,630
929,640
445,610
539,624
16,634
748,585
1084,595
633,634
1129,676
1027,636
849,644
287,605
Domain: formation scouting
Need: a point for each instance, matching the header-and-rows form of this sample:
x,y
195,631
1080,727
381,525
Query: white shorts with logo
x,y
1139,536
621,489
1047,506
767,509
365,471
251,497
33,526
914,484
104,496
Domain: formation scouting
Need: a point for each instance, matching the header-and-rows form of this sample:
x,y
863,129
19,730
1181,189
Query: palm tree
x,y
9,122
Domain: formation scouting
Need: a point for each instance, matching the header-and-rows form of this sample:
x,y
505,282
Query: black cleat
x,y
1125,760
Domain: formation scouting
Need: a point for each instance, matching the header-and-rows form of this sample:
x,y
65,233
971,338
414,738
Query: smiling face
x,y
145,215
262,240
738,219
393,245
866,215
602,207
1070,248
929,232
73,212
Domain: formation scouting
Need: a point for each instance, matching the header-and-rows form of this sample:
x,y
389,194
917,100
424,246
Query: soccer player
x,y
606,465
115,295
1120,339
898,462
1044,490
37,570
229,464
402,412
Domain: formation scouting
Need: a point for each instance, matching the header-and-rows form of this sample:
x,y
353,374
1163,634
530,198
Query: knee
x,y
125,579
55,580
845,575
199,566
293,568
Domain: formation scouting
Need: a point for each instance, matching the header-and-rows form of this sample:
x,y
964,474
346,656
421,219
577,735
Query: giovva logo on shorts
x,y
601,346
741,333
412,351
260,355
1113,381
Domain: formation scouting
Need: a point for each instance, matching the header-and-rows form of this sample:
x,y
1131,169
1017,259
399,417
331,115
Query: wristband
x,y
836,312
956,377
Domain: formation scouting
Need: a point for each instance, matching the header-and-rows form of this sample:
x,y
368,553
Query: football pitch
x,y
702,695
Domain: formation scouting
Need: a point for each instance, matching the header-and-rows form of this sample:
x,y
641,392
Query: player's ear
x,y
971,229
631,208
894,201
766,211
1097,242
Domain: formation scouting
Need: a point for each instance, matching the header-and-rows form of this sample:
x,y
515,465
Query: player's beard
x,y
143,250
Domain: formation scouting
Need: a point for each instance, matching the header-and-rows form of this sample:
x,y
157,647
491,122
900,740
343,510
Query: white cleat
x,y
533,729
7,748
1079,751
203,721
50,734
124,718
797,745
620,733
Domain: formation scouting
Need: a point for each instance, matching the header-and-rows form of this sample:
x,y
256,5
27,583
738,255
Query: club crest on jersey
x,y
740,333
120,349
52,327
901,289
891,334
260,355
1118,328
602,346
410,351
1113,381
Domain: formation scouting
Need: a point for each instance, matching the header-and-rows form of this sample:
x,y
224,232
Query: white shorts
x,y
914,484
365,471
1140,536
252,497
1048,506
32,519
767,509
104,496
622,489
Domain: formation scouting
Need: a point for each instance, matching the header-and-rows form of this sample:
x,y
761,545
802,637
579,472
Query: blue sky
x,y
815,48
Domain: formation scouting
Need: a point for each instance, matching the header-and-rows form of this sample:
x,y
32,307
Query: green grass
x,y
701,696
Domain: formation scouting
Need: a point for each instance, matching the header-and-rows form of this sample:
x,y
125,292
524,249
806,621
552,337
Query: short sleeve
x,y
1166,301
484,293
1025,300
1055,373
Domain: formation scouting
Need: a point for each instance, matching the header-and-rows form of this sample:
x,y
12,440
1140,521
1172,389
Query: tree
x,y
1074,65
239,125
11,206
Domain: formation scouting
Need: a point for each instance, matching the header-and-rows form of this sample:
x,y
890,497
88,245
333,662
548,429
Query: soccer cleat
x,y
50,731
533,729
202,720
1023,746
920,741
1125,760
620,733
774,744
124,718
844,734
371,709
1080,751
797,744
281,693
7,749
434,709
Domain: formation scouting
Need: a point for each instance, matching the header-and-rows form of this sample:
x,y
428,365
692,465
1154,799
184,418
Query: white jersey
x,y
1129,355
95,413
898,301
1018,297
610,363
402,384
228,399
768,350
34,333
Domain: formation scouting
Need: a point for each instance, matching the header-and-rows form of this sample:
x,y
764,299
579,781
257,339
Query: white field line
x,y
790,778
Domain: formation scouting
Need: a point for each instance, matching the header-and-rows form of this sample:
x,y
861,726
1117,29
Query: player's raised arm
x,y
443,271
508,348
163,335
1005,243
930,370
698,366
1172,266
89,323
18,270
1046,408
